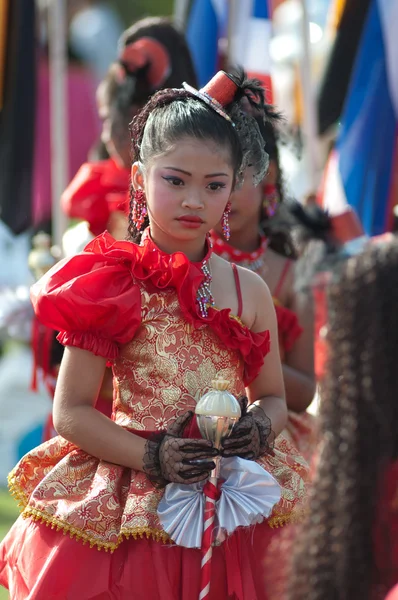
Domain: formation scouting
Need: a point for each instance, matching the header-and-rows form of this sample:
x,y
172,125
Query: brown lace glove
x,y
171,458
250,438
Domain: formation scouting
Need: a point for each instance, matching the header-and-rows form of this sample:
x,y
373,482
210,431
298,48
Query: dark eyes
x,y
214,186
174,181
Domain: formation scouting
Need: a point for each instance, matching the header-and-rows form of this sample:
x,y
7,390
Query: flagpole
x,y
309,108
181,10
58,113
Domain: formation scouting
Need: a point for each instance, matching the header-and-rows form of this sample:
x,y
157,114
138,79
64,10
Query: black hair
x,y
173,114
135,89
334,551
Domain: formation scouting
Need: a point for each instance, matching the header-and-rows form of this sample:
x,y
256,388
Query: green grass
x,y
8,514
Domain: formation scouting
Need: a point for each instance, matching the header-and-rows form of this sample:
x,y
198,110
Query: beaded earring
x,y
271,200
225,222
139,211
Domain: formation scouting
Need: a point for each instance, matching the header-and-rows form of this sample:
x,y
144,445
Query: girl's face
x,y
115,133
187,189
246,202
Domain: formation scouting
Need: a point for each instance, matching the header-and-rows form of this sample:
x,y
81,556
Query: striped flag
x,y
206,25
361,172
346,23
246,24
251,32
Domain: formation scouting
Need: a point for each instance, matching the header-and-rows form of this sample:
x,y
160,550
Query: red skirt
x,y
37,563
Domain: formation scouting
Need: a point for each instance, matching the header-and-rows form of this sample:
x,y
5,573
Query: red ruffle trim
x,y
92,343
148,263
288,327
93,298
97,190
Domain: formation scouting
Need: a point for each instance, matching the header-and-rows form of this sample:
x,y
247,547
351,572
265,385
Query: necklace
x,y
204,297
255,261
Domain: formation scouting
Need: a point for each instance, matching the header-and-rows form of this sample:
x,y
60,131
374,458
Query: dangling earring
x,y
225,223
139,211
271,200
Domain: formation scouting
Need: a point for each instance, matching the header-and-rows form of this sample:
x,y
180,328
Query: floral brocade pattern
x,y
183,362
164,358
102,503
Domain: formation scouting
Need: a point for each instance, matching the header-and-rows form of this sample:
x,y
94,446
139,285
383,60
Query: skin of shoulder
x,y
258,312
256,298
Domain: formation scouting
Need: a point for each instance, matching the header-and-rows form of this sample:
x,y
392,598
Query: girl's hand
x,y
250,436
176,459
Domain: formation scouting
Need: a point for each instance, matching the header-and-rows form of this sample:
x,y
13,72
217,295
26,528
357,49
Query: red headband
x,y
147,51
218,93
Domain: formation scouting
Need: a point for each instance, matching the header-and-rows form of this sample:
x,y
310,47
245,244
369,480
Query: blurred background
x,y
330,66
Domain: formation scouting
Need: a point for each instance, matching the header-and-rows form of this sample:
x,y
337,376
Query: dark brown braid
x,y
161,98
333,558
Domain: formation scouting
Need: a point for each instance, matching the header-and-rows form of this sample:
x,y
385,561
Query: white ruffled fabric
x,y
248,495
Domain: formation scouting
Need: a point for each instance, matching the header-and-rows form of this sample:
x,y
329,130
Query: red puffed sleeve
x,y
97,189
92,301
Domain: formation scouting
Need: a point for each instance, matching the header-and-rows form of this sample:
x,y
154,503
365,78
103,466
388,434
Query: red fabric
x,y
92,300
98,189
141,569
288,327
212,491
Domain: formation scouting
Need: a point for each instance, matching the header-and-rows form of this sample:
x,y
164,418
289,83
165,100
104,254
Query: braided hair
x,y
173,114
334,556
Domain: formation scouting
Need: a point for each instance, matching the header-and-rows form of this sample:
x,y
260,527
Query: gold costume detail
x,y
158,376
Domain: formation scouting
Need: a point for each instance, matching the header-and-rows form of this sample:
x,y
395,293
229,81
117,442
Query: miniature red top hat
x,y
217,93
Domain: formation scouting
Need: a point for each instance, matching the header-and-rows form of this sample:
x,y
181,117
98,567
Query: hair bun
x,y
147,52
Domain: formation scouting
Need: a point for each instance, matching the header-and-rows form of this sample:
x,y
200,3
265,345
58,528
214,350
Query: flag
x,y
361,171
347,19
206,25
247,26
17,116
250,37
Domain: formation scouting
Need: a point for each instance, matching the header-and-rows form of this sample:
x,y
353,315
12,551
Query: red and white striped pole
x,y
212,494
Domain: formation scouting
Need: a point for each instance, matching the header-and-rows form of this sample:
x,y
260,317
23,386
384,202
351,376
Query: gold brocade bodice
x,y
168,366
136,307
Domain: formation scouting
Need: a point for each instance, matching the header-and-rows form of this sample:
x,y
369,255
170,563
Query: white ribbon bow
x,y
248,495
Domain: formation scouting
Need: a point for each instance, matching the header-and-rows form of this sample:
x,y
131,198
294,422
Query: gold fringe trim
x,y
297,515
16,490
276,521
81,535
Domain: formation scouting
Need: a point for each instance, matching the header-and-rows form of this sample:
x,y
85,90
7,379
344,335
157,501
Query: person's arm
x,y
267,390
298,368
76,419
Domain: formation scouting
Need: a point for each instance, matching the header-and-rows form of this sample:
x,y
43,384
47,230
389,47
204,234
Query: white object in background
x,y
58,113
76,238
22,411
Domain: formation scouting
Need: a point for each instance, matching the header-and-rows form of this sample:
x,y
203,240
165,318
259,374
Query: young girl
x,y
347,548
169,315
153,55
251,210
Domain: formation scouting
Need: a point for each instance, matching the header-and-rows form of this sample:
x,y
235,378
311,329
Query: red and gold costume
x,y
135,306
98,189
301,427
